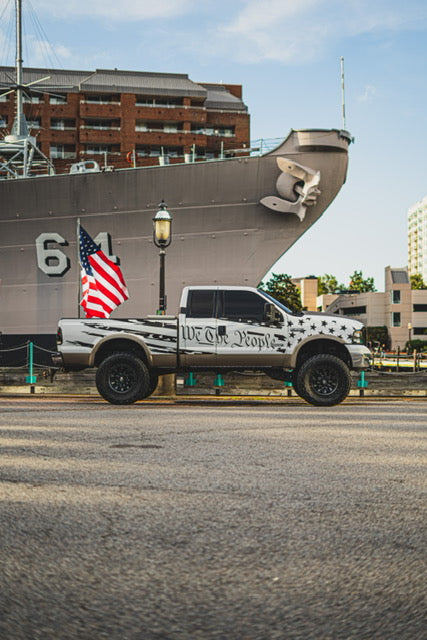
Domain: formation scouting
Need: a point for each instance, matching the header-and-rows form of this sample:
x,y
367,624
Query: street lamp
x,y
162,237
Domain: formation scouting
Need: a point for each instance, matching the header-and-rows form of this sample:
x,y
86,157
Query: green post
x,y
362,384
219,380
288,386
191,380
31,379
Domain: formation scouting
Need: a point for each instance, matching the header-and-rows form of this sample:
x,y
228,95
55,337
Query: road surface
x,y
212,521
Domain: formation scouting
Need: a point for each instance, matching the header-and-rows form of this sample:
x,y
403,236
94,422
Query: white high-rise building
x,y
417,239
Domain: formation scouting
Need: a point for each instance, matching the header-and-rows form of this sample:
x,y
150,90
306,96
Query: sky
x,y
286,54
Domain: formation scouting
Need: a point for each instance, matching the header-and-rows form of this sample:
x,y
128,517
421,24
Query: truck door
x,y
197,328
243,336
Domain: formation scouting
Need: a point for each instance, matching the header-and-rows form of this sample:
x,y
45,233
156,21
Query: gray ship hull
x,y
232,219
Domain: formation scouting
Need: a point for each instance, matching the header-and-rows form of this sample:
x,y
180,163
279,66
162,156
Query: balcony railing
x,y
100,153
99,127
169,106
100,102
199,132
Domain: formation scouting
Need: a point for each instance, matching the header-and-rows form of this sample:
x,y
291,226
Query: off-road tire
x,y
323,380
122,378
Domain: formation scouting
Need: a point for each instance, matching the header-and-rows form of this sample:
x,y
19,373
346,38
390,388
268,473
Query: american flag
x,y
103,285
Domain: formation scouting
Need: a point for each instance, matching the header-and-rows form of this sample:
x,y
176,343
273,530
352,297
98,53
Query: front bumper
x,y
360,356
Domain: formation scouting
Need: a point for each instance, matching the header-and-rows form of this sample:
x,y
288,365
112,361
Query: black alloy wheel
x,y
122,378
323,380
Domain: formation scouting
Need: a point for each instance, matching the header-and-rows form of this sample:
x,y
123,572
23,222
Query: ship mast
x,y
20,124
19,152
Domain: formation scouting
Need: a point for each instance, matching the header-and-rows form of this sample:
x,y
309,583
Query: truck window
x,y
243,306
201,303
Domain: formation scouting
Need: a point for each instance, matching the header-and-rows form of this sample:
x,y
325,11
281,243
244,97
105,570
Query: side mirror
x,y
271,314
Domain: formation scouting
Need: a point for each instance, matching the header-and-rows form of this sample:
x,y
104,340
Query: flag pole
x,y
342,94
78,270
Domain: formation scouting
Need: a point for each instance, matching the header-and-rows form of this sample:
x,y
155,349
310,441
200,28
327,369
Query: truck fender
x,y
315,344
122,337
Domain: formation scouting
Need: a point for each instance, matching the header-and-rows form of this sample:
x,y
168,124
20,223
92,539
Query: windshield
x,y
279,304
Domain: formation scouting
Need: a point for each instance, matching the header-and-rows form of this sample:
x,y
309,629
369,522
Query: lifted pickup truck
x,y
217,329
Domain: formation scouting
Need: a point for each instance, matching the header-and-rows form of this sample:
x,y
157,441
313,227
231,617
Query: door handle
x,y
222,330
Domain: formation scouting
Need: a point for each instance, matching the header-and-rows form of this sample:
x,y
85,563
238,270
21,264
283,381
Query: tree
x,y
361,284
417,282
328,284
377,336
284,290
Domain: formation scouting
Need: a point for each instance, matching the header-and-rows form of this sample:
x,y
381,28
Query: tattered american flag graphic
x,y
103,285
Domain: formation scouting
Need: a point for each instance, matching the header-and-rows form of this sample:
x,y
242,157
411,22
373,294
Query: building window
x,y
225,132
34,123
155,152
420,307
173,152
4,98
102,125
395,296
57,99
98,149
32,99
167,127
147,101
62,124
170,128
3,122
62,151
420,331
395,319
103,98
354,311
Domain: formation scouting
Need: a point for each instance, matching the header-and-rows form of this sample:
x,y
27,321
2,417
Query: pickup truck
x,y
217,329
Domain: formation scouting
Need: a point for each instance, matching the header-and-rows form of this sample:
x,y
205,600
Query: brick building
x,y
120,118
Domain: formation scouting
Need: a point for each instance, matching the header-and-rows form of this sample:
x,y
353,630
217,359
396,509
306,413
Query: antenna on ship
x,y
342,94
19,150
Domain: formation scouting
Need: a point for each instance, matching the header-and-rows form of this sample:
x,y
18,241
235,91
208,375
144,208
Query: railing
x,y
169,106
26,356
400,362
99,127
99,102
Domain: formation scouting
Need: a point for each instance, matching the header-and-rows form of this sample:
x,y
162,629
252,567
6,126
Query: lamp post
x,y
162,237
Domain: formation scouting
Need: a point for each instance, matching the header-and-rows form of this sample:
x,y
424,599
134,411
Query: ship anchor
x,y
304,189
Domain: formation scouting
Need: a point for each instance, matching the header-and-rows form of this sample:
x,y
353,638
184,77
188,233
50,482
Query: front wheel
x,y
323,380
122,378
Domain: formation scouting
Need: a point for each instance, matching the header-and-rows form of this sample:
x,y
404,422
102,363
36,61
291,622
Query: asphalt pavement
x,y
212,521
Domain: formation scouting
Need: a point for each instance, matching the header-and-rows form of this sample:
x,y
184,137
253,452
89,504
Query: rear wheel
x,y
122,378
323,380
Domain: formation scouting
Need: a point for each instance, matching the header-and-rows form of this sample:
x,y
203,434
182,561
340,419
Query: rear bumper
x,y
57,360
360,356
